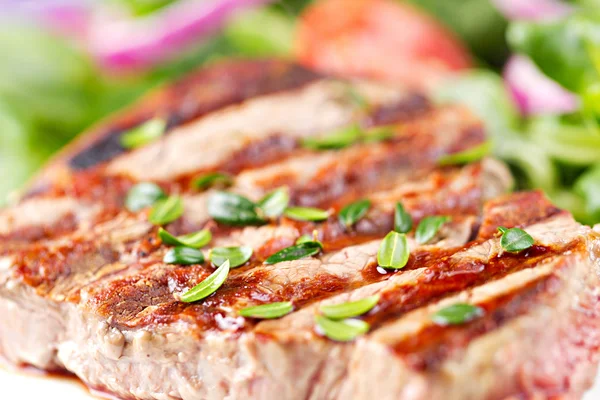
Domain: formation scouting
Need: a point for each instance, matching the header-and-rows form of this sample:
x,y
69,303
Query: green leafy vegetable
x,y
352,213
514,239
393,252
143,195
233,209
306,214
183,256
342,331
467,156
268,311
379,134
166,210
402,220
350,309
237,256
457,314
275,203
305,239
212,179
194,240
588,186
295,252
336,140
207,286
429,227
143,134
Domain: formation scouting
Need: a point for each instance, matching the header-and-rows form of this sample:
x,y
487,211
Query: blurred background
x,y
529,68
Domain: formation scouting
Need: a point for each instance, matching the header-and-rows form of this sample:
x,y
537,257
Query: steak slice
x,y
83,287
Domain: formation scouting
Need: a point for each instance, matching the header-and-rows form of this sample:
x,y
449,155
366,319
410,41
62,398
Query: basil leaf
x,y
143,134
402,220
336,140
295,252
342,331
429,227
393,252
305,239
275,203
212,179
207,286
379,134
456,314
350,309
194,240
350,214
514,239
237,256
183,256
233,209
306,214
467,156
143,195
268,311
166,210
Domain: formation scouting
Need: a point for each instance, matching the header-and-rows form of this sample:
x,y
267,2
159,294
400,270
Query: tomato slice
x,y
378,39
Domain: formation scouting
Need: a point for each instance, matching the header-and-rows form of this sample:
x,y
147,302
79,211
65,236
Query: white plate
x,y
16,386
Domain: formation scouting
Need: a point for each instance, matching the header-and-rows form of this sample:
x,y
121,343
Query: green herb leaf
x,y
268,311
306,214
207,286
466,156
183,256
237,256
379,134
352,213
336,140
514,239
305,239
457,314
275,203
402,220
212,179
194,240
143,134
233,209
166,210
350,309
143,195
393,252
429,227
295,252
342,331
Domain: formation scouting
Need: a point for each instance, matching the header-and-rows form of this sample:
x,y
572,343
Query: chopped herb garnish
x,y
393,252
342,331
143,195
143,134
233,209
379,134
352,213
350,309
237,256
268,311
457,314
183,256
402,220
466,156
429,227
207,286
306,214
274,203
194,240
336,140
295,252
166,210
212,179
514,239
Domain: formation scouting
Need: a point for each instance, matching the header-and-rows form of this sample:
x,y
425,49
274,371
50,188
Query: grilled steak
x,y
84,286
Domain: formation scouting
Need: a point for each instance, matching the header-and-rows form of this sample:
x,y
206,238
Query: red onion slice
x,y
534,10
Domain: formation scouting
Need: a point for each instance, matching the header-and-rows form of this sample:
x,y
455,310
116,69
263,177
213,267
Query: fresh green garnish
x,y
194,240
393,252
336,140
143,134
306,214
342,331
295,252
379,134
207,286
350,309
352,213
183,256
233,209
305,239
268,311
237,256
514,239
457,314
143,195
466,156
212,179
274,203
402,220
166,210
429,227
